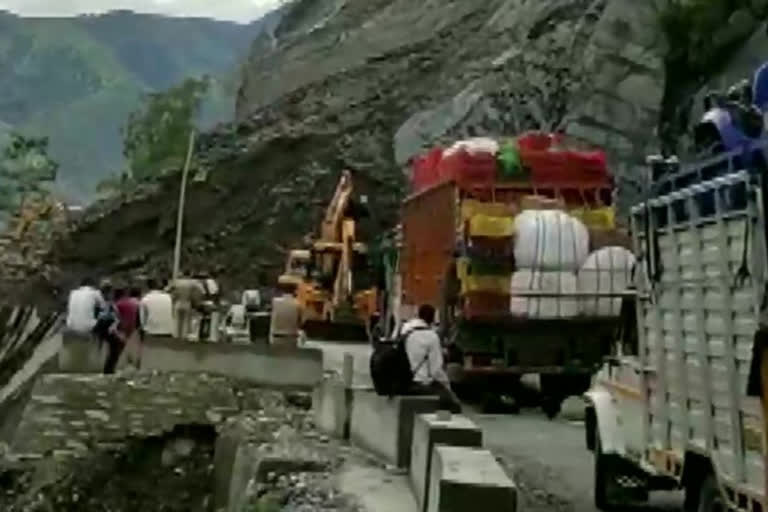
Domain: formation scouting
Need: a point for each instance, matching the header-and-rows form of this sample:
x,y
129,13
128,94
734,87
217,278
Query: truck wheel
x,y
605,479
616,483
709,497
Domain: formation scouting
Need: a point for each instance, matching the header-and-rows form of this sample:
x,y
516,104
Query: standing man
x,y
129,325
83,307
285,323
425,353
107,327
156,311
188,295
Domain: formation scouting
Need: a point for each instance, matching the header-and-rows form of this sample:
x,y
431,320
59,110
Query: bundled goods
x,y
603,217
490,249
472,207
550,159
474,147
490,227
509,164
548,282
470,162
478,283
600,238
550,240
424,170
541,203
608,270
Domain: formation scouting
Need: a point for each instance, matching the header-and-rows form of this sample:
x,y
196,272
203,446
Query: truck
x,y
676,404
488,353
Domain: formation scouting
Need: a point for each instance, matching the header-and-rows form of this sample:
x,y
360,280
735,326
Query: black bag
x,y
390,368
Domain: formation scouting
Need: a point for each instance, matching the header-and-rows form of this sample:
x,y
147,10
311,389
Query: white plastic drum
x,y
608,270
544,282
550,240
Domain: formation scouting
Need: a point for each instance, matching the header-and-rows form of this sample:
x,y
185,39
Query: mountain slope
x,y
365,85
76,79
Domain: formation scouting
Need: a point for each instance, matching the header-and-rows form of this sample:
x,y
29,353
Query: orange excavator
x,y
332,278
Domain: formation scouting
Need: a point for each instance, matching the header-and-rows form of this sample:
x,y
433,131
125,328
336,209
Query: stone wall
x,y
69,415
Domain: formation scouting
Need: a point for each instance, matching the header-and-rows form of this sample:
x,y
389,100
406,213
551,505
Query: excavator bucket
x,y
346,326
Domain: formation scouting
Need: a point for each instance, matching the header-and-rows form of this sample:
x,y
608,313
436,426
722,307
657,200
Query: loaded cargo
x,y
516,244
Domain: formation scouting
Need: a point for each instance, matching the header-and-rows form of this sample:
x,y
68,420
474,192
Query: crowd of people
x,y
120,317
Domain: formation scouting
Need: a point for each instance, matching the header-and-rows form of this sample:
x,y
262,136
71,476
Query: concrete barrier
x,y
468,479
81,354
384,426
430,430
331,407
260,365
242,460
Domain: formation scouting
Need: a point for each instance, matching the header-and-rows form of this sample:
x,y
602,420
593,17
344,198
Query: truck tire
x,y
710,499
604,478
618,483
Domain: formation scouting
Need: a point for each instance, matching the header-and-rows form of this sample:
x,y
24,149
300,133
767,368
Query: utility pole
x,y
182,198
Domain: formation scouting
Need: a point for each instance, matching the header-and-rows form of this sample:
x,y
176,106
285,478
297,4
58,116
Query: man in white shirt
x,y
156,311
83,306
425,353
285,321
251,299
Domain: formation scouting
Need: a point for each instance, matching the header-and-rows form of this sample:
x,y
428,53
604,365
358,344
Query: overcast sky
x,y
236,10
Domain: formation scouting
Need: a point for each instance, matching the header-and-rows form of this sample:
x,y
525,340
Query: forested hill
x,y
77,79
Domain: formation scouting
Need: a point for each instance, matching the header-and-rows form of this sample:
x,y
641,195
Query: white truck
x,y
670,409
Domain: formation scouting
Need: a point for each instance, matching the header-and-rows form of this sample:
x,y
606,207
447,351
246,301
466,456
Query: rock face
x,y
367,84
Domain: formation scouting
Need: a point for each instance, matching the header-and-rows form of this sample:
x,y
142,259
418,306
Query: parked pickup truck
x,y
670,408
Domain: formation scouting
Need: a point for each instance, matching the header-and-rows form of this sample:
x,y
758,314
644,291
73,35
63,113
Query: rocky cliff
x,y
366,84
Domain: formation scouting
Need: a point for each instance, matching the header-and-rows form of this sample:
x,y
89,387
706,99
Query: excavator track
x,y
327,331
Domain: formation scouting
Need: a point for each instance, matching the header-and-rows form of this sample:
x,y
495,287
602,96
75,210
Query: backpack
x,y
390,368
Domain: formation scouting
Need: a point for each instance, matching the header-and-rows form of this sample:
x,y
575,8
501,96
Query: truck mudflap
x,y
603,418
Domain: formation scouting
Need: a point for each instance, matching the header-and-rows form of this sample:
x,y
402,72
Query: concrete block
x,y
331,404
467,480
260,365
428,431
384,425
81,354
233,466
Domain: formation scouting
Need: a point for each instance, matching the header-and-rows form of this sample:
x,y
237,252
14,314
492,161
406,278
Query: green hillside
x,y
77,79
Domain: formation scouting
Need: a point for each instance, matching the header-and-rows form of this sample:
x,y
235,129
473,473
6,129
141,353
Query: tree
x,y
155,137
26,170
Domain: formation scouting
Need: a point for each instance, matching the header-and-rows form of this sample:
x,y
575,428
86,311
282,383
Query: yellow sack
x,y
499,285
596,218
491,227
473,207
541,203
